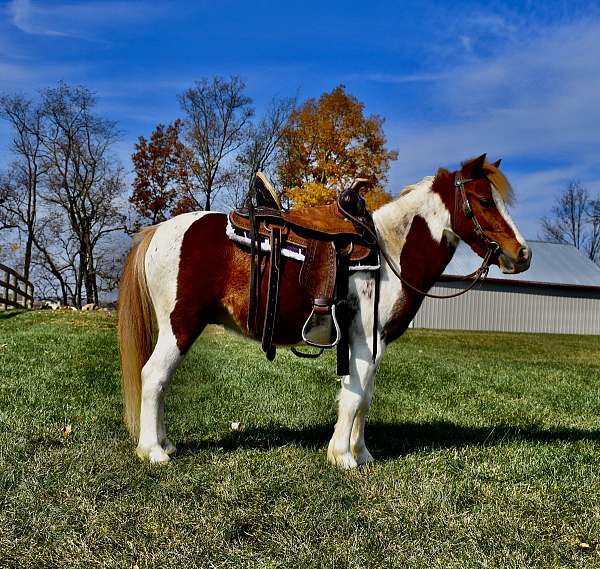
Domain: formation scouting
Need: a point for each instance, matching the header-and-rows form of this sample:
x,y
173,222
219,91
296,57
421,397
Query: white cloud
x,y
81,20
29,19
396,78
536,101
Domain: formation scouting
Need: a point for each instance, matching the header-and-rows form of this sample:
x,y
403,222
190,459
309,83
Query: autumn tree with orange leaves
x,y
327,144
161,174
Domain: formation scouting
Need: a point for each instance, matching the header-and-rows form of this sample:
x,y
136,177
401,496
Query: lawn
x,y
487,449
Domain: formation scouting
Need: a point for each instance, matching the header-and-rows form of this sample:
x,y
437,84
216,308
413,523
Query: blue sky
x,y
519,80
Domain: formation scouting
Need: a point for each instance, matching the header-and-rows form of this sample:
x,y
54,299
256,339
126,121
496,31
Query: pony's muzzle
x,y
512,265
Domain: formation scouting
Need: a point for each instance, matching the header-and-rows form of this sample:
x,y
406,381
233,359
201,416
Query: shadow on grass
x,y
391,440
6,314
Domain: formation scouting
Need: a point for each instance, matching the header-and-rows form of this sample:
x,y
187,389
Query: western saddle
x,y
329,240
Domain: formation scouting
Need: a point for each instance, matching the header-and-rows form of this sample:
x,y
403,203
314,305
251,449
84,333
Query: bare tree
x,y
19,187
593,244
575,219
56,258
59,193
259,152
82,180
217,118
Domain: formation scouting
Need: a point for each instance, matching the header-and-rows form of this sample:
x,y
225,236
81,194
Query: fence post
x,y
6,282
20,297
15,291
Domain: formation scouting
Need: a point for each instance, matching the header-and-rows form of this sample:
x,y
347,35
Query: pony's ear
x,y
496,164
474,168
477,164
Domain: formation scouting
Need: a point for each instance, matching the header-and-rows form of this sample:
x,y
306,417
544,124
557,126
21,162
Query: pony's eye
x,y
486,202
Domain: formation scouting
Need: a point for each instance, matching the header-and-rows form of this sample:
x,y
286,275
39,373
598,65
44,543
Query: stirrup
x,y
308,355
328,318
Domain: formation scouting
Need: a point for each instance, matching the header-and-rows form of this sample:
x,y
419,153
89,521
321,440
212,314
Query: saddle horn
x,y
350,200
359,184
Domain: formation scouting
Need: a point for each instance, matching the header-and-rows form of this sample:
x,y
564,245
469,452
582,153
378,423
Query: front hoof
x,y
343,460
364,457
169,447
154,455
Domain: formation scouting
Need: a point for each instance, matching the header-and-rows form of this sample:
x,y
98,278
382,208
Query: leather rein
x,y
478,275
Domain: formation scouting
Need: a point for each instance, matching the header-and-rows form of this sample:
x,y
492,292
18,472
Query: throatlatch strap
x,y
272,294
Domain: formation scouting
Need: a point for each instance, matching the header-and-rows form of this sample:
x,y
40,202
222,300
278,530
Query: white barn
x,y
560,293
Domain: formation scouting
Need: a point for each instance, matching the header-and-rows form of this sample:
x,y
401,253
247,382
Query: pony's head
x,y
479,215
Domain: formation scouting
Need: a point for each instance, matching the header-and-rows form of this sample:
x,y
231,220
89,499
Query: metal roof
x,y
551,263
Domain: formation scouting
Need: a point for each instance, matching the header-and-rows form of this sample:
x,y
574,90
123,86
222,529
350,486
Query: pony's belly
x,y
294,305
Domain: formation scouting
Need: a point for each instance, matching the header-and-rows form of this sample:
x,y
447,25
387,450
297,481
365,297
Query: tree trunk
x,y
28,255
65,296
91,290
80,279
91,286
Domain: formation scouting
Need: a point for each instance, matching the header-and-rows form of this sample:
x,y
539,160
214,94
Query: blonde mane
x,y
500,182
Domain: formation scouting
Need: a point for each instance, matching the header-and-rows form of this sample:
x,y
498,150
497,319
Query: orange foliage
x,y
311,194
375,198
327,144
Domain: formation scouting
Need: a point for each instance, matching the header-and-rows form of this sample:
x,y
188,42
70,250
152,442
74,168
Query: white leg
x,y
155,377
357,438
164,441
347,446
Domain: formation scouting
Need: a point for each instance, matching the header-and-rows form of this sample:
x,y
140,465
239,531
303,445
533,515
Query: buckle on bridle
x,y
459,184
460,181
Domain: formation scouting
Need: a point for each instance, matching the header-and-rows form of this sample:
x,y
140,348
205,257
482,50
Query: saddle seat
x,y
328,244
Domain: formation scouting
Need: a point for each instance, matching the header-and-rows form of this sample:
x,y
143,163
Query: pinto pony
x,y
186,273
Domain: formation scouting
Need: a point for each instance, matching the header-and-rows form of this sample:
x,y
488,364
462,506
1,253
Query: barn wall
x,y
506,307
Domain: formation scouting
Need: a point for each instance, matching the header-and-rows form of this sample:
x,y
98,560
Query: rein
x,y
478,275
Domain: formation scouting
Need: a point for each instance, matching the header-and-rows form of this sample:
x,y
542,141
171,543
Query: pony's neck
x,y
394,220
415,230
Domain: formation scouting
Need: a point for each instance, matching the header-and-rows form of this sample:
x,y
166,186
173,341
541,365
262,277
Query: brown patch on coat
x,y
422,261
213,287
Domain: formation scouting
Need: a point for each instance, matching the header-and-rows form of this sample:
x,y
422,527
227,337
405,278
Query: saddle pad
x,y
368,261
297,237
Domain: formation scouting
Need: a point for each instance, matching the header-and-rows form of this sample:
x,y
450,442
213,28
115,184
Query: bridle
x,y
459,184
492,247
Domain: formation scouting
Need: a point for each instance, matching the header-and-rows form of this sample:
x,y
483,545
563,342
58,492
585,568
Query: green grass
x,y
487,449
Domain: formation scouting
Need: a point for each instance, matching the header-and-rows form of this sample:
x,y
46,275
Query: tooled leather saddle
x,y
330,241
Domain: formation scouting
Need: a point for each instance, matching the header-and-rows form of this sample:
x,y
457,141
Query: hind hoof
x,y
169,447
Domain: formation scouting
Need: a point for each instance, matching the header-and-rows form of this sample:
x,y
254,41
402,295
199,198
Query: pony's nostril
x,y
523,254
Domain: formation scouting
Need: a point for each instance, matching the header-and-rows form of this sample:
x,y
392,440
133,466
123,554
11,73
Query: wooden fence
x,y
15,291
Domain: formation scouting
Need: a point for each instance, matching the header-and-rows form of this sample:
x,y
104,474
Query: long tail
x,y
135,327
